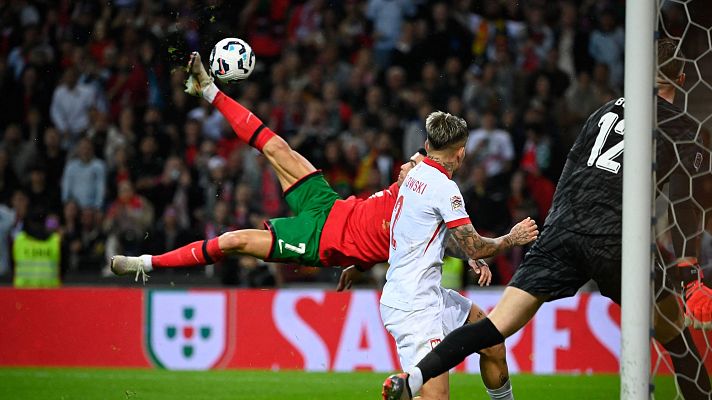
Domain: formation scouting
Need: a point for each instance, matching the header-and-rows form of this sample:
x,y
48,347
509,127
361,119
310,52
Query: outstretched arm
x,y
479,266
475,246
689,195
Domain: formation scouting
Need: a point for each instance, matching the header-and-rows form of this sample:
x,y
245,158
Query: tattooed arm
x,y
475,246
479,266
452,249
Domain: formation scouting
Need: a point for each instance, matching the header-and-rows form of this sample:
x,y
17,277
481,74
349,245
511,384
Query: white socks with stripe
x,y
503,393
415,380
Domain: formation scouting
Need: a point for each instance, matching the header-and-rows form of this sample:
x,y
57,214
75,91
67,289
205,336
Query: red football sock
x,y
202,252
246,125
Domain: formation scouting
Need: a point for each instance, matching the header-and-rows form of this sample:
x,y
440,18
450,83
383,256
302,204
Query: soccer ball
x,y
231,60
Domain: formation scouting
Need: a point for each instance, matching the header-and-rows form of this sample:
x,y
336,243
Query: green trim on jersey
x,y
296,239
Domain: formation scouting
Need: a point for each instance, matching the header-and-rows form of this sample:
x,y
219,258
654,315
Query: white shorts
x,y
416,332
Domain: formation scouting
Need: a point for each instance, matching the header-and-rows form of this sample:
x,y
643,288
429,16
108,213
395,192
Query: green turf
x,y
132,384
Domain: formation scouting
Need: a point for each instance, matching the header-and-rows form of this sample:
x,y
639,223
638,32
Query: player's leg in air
x,y
293,171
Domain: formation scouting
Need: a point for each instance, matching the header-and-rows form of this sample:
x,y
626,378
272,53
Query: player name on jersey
x,y
415,185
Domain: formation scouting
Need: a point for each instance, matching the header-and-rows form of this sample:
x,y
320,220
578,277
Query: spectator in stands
x,y
86,245
305,23
314,132
43,197
338,113
581,100
71,104
536,161
447,38
246,212
8,179
490,146
84,178
258,274
53,157
167,234
216,188
535,40
558,79
484,200
336,172
162,193
414,132
35,92
149,163
69,228
105,136
19,152
572,42
480,92
128,220
7,220
607,46
387,17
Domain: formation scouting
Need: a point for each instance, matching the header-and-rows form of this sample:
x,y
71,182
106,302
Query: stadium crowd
x,y
99,141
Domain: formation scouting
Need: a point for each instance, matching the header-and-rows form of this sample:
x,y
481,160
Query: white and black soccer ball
x,y
231,60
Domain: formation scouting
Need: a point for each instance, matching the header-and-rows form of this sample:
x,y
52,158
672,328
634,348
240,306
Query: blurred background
x,y
101,149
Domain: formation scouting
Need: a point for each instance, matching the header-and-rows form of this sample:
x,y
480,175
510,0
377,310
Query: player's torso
x,y
588,197
357,231
416,242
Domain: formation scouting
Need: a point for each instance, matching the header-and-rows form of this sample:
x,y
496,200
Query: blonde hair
x,y
445,130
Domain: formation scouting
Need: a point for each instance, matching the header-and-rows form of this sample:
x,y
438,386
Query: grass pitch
x,y
139,384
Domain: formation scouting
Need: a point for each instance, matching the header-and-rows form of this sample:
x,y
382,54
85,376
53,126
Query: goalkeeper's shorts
x,y
561,261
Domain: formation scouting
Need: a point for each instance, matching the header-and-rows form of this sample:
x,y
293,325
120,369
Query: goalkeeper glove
x,y
698,297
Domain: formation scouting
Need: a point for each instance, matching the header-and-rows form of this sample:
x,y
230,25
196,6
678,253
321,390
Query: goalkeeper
x,y
581,240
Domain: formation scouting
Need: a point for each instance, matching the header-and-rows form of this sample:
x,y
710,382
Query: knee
x,y
233,242
495,353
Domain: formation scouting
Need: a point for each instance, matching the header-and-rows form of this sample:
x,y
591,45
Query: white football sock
x,y
503,393
147,264
415,380
210,92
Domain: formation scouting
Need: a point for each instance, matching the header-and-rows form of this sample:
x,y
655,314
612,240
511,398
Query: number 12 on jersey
x,y
605,161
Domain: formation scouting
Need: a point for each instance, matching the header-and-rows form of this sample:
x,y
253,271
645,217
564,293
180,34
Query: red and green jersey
x,y
357,230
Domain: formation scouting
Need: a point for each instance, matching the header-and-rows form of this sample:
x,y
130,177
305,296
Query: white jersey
x,y
428,204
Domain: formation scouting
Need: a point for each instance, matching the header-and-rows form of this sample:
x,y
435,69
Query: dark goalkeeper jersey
x,y
589,196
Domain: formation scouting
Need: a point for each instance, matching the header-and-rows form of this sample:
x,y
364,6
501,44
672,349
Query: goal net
x,y
689,24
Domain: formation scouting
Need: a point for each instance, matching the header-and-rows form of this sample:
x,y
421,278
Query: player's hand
x,y
524,232
698,297
347,278
480,267
698,306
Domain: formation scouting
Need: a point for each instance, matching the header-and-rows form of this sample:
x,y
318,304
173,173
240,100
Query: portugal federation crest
x,y
187,330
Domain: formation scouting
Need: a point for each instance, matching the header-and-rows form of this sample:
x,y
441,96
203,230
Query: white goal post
x,y
638,196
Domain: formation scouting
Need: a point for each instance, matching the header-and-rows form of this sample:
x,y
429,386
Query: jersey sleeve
x,y
394,188
451,206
